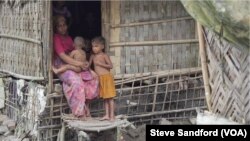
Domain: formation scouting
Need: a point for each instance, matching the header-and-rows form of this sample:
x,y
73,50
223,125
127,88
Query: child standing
x,y
102,66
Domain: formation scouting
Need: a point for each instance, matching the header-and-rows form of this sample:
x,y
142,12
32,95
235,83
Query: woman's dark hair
x,y
56,21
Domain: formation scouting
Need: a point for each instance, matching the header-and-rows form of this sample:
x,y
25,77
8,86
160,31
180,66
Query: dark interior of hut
x,y
84,19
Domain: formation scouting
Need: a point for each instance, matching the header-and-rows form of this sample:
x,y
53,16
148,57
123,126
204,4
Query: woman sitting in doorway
x,y
76,90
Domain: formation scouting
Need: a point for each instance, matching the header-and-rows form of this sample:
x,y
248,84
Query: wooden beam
x,y
149,22
160,73
163,112
50,49
20,38
202,52
149,43
22,76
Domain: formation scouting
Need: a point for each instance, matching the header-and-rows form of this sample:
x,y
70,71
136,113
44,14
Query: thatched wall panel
x,y
21,39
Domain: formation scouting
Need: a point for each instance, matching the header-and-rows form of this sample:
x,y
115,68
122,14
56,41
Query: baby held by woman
x,y
78,54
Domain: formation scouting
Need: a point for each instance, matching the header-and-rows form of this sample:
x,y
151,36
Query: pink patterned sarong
x,y
77,90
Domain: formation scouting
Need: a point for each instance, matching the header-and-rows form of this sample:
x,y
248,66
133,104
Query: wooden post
x,y
62,136
51,51
114,36
155,95
202,52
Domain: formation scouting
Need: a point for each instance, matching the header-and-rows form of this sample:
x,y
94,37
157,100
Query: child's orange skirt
x,y
107,86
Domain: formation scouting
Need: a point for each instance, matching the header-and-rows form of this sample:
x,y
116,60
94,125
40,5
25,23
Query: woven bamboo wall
x,y
229,79
23,39
149,36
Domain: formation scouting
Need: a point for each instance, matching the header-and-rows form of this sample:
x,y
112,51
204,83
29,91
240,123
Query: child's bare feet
x,y
104,118
55,70
112,119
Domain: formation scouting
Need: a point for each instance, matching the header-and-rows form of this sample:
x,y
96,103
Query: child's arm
x,y
91,60
108,64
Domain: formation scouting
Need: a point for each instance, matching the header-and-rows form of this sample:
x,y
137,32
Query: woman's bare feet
x,y
87,111
88,115
74,117
55,70
82,118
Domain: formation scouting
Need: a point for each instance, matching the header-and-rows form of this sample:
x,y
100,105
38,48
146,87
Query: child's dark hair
x,y
99,39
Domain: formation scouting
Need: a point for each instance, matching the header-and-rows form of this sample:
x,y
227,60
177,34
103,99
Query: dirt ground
x,y
138,134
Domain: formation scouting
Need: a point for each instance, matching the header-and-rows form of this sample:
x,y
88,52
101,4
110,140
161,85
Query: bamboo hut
x,y
153,45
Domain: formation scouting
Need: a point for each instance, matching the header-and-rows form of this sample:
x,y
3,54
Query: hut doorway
x,y
85,19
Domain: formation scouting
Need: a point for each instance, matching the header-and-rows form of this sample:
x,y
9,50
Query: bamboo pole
x,y
161,112
22,76
160,73
151,77
62,136
168,82
106,19
50,49
202,52
58,105
147,43
20,38
150,22
49,127
155,94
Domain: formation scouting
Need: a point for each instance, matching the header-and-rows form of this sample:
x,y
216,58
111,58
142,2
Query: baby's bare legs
x,y
62,69
66,67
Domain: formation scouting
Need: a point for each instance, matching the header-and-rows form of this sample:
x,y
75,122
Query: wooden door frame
x,y
105,22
